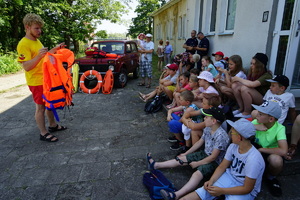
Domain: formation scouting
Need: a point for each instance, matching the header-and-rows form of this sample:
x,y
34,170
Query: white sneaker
x,y
235,112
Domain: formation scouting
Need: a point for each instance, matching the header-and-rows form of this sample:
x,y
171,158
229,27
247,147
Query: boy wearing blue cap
x,y
239,175
271,141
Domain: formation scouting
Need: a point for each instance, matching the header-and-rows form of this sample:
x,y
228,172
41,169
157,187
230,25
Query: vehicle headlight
x,y
111,67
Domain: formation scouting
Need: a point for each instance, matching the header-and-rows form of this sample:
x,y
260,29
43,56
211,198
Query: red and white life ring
x,y
97,87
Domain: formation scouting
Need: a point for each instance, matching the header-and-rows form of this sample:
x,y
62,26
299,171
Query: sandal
x,y
49,138
291,152
167,195
141,84
150,166
56,128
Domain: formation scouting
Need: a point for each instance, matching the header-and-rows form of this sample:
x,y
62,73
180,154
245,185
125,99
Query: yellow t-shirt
x,y
27,50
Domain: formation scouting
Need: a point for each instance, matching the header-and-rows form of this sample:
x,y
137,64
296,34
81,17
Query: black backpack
x,y
225,64
154,105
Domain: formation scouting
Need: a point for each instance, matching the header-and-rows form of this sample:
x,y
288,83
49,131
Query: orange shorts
x,y
37,94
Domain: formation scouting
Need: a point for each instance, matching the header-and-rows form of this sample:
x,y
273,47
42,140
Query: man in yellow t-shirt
x,y
30,54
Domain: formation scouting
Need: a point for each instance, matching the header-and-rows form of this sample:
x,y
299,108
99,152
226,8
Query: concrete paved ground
x,y
100,156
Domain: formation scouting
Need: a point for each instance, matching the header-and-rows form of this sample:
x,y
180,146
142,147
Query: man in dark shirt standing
x,y
191,43
202,48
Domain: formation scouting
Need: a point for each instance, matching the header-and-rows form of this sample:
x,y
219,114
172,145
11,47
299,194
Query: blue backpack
x,y
154,181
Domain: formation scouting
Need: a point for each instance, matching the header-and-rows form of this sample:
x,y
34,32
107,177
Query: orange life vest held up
x,y
57,87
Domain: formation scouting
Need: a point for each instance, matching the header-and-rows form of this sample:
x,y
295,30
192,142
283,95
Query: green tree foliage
x,y
68,21
101,34
143,22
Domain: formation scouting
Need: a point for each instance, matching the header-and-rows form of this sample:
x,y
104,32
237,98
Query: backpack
x,y
225,64
154,105
155,181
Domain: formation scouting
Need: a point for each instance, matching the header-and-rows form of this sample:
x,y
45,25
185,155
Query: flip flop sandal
x,y
48,139
141,84
56,128
142,95
167,195
150,166
144,100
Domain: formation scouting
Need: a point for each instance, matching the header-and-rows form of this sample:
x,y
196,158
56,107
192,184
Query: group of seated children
x,y
197,120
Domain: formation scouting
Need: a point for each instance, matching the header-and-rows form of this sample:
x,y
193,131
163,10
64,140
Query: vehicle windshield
x,y
110,47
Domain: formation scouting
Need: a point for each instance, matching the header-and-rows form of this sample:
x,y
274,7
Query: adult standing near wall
x,y
202,48
31,53
146,62
168,50
191,43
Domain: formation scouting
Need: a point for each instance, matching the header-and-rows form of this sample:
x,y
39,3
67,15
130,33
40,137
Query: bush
x,y
9,64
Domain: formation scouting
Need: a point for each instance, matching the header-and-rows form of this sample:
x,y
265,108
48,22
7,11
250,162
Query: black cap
x,y
282,79
263,58
214,112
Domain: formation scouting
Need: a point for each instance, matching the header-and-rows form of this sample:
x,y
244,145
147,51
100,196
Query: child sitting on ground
x,y
206,85
215,141
182,85
207,65
175,125
278,94
194,84
271,142
235,65
195,129
166,85
239,175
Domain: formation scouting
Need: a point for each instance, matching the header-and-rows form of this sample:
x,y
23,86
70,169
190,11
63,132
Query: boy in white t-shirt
x,y
239,175
277,93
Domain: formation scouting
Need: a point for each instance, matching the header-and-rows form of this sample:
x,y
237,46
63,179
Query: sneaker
x,y
177,146
274,187
172,139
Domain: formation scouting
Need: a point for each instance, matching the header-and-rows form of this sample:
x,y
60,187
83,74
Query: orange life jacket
x,y
57,87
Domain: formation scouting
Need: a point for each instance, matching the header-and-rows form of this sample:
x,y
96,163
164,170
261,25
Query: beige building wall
x,y
175,20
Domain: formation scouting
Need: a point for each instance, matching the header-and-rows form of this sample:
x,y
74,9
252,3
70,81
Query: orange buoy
x,y
108,82
97,87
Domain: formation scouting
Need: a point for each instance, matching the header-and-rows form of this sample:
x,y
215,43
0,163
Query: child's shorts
x,y
186,132
171,88
225,181
208,169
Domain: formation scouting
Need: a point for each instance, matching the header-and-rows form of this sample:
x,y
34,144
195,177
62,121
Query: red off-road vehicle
x,y
121,56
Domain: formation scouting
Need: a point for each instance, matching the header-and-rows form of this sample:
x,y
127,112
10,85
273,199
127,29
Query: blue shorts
x,y
225,181
174,125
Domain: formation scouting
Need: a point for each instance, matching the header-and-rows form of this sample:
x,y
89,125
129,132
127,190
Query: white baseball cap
x,y
148,35
206,76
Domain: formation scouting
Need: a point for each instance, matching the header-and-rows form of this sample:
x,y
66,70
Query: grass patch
x,y
9,63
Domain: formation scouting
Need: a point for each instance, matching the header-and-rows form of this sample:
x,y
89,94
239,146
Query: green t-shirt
x,y
269,138
265,85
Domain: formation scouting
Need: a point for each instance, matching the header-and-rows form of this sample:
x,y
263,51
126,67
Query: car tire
x,y
136,72
121,78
